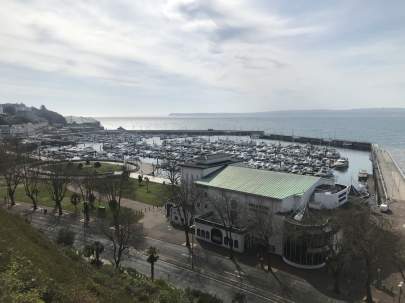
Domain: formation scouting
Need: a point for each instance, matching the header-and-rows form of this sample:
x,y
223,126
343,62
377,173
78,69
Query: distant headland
x,y
314,112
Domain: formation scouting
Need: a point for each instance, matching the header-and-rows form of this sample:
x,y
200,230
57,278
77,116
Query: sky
x,y
154,57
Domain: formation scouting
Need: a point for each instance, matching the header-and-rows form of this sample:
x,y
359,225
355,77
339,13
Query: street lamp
x,y
400,284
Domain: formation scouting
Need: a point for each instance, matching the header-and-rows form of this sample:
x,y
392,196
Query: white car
x,y
384,207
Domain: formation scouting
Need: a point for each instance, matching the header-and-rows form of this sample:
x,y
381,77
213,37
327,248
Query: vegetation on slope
x,y
33,269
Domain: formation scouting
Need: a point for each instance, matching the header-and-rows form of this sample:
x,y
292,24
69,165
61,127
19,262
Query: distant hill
x,y
19,113
298,113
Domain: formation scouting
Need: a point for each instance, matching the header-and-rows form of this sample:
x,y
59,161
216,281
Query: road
x,y
213,273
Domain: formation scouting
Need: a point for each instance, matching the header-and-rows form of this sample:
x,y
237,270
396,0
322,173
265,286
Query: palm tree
x,y
152,258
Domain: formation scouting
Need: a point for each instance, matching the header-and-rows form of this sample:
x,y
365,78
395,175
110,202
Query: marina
x,y
325,161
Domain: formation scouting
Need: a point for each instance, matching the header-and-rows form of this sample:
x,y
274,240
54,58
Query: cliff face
x,y
19,114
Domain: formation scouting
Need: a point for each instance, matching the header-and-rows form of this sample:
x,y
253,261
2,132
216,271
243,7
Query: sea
x,y
385,129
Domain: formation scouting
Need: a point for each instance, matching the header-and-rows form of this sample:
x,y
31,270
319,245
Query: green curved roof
x,y
259,182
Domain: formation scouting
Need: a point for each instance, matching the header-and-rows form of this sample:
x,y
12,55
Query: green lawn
x,y
156,196
43,197
74,167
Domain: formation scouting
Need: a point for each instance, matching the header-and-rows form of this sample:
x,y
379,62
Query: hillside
x,y
19,113
33,269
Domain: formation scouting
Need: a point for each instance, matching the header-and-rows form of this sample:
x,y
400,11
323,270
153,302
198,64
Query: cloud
x,y
247,51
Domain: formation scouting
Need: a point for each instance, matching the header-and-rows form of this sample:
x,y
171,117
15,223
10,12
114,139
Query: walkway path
x,y
394,181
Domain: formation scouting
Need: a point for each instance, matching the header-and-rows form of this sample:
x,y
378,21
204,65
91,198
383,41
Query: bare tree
x,y
173,174
10,160
262,227
368,237
112,188
75,200
57,183
31,180
229,211
87,184
122,232
186,197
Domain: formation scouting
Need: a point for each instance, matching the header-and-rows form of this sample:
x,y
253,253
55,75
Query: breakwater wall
x,y
355,145
182,132
365,146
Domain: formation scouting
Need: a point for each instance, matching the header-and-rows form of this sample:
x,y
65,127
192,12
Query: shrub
x,y
65,237
97,164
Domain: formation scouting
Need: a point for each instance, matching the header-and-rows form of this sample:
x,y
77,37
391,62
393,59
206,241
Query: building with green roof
x,y
263,183
237,197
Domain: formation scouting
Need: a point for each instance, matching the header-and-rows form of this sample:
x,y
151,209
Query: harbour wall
x,y
355,145
182,132
365,146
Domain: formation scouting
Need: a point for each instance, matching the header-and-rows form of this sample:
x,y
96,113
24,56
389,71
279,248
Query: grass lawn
x,y
74,167
156,196
44,198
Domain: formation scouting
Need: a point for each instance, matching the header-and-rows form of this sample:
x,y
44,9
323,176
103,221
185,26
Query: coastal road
x,y
213,273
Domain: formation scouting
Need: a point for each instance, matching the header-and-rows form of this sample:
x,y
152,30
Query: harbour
x,y
254,149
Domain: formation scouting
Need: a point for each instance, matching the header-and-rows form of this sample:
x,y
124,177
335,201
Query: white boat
x,y
324,172
341,163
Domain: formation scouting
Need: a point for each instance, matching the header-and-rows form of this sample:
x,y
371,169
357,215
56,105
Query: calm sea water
x,y
385,130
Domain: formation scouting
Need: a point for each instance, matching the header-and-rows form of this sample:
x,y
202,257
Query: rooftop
x,y
264,183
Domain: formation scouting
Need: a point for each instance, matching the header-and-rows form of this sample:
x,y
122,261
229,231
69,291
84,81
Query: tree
x,y
75,200
86,212
65,237
186,197
57,185
152,259
122,232
147,184
94,250
262,226
86,184
140,178
367,237
10,160
31,180
173,174
229,212
112,187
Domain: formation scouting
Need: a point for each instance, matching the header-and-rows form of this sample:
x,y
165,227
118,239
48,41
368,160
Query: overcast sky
x,y
153,57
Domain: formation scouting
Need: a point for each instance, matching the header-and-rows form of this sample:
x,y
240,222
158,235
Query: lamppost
x,y
400,284
192,248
